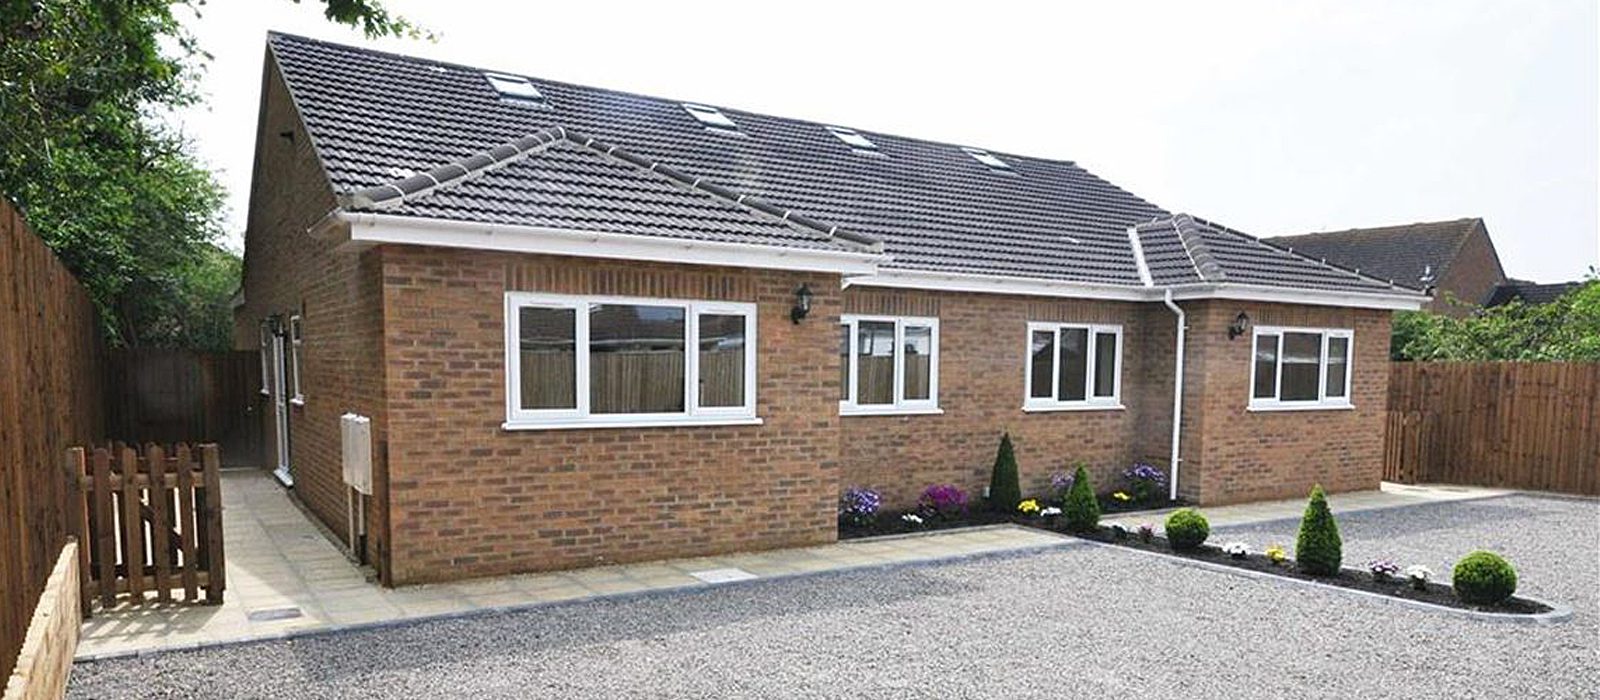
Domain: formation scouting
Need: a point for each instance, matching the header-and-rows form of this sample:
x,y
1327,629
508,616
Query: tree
x,y
1005,492
1567,329
115,192
1318,548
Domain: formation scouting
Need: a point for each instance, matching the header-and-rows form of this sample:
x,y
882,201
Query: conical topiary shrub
x,y
1004,490
1081,511
1318,548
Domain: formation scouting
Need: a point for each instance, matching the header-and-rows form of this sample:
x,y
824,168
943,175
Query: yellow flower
x,y
1276,553
1122,496
1029,506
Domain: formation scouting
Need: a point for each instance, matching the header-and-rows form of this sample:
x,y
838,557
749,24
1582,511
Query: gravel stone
x,y
1086,621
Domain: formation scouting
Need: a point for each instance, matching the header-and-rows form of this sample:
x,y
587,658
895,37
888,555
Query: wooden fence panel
x,y
1524,425
50,398
45,660
137,545
167,396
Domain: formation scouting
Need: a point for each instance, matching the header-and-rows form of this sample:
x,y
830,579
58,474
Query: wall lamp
x,y
802,304
1236,328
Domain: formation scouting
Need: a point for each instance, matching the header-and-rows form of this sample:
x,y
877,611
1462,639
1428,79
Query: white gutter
x,y
1177,396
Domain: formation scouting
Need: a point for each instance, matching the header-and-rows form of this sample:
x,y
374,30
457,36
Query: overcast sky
x,y
1271,117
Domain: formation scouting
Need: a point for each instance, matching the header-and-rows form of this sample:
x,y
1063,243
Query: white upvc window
x,y
296,339
265,330
597,362
1072,367
1300,368
888,365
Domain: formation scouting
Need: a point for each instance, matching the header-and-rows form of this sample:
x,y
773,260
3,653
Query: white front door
x,y
279,396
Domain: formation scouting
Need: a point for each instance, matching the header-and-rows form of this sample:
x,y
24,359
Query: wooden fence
x,y
50,398
45,660
167,396
1524,425
150,523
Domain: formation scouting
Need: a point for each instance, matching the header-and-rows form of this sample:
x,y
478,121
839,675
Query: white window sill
x,y
1073,407
889,411
1269,408
626,422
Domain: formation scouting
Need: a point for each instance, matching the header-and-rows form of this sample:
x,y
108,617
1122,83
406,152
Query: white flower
x,y
912,518
1418,572
1052,510
1236,549
1120,528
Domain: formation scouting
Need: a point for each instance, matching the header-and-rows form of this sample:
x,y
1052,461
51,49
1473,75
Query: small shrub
x,y
859,507
943,501
1187,529
1484,578
1145,481
1318,549
1004,489
1080,509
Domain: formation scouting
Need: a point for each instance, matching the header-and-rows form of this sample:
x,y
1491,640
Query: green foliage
x,y
116,192
1187,529
1318,549
372,19
1567,329
1080,511
1484,578
1005,492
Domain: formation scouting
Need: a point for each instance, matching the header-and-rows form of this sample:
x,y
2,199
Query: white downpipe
x,y
1177,396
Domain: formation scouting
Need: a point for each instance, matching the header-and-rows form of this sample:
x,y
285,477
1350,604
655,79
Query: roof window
x,y
513,87
710,116
986,158
852,137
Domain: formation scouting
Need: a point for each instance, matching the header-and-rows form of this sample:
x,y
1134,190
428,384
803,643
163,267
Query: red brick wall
x,y
982,350
1472,275
469,498
1233,455
287,271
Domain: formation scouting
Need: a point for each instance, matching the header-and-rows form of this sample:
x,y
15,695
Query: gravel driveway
x,y
1077,621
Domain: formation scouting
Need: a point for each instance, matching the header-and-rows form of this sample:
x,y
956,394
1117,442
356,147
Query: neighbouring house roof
x,y
409,137
1406,253
1529,292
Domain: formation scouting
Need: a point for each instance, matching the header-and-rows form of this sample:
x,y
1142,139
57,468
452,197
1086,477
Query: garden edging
x,y
1555,615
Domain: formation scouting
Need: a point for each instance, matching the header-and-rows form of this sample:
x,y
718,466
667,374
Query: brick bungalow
x,y
506,274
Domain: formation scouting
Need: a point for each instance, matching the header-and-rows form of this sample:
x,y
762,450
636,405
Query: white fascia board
x,y
367,229
1399,301
994,284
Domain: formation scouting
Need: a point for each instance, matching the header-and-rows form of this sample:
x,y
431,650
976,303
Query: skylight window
x,y
710,116
986,158
852,137
513,87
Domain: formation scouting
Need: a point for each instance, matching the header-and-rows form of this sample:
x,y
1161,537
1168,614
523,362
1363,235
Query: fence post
x,y
77,514
186,534
216,580
105,536
132,526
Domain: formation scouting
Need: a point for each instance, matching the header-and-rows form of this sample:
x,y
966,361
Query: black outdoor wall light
x,y
1236,328
802,303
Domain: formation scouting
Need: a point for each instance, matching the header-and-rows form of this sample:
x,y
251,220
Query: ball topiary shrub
x,y
1080,511
1187,529
1484,578
1318,548
1004,490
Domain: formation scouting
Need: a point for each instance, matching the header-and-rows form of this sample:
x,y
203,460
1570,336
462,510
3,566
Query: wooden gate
x,y
150,523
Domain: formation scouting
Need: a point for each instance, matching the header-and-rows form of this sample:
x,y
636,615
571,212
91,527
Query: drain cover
x,y
270,614
722,575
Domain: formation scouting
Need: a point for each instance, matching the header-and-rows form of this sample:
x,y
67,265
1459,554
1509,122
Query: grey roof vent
x,y
515,88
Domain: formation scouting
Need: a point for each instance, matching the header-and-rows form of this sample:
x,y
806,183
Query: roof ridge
x,y
1205,263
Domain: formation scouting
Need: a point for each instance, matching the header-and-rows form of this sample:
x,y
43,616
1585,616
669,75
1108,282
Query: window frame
x,y
296,340
1323,402
518,418
900,405
1089,402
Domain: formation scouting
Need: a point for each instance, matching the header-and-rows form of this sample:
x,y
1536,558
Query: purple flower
x,y
859,506
1383,569
943,500
1060,482
1146,473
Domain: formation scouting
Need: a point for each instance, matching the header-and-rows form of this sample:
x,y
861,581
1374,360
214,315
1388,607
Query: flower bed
x,y
1397,586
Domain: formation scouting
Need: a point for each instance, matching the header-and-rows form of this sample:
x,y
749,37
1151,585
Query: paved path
x,y
286,577
1070,620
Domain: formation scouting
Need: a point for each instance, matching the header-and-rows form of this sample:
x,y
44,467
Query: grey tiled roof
x,y
1532,293
1404,253
378,118
1182,249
